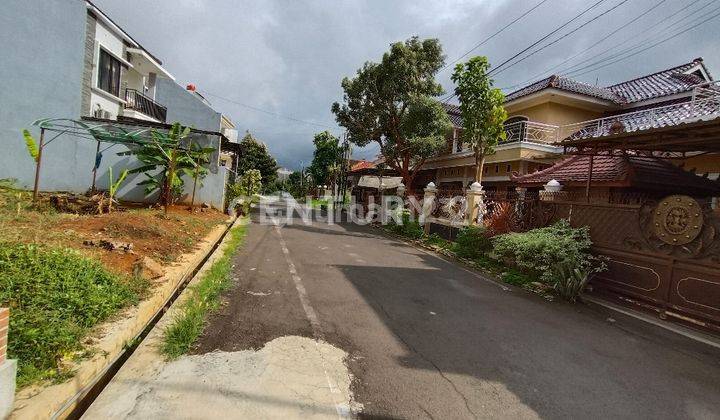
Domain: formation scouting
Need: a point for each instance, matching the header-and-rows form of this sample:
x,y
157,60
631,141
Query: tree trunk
x,y
195,178
479,163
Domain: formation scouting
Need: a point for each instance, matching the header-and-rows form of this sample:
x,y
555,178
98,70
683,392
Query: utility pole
x,y
346,153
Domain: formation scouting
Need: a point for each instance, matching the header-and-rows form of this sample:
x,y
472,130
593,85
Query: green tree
x,y
298,184
326,157
255,155
247,187
391,103
481,107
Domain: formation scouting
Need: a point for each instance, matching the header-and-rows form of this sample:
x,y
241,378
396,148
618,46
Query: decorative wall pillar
x,y
475,204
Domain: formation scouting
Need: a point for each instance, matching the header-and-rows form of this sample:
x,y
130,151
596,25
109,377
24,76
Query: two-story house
x,y
537,112
70,60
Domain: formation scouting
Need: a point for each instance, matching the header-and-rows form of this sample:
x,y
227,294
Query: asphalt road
x,y
427,338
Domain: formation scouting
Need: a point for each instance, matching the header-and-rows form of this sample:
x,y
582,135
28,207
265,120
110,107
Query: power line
x,y
574,68
554,31
275,114
633,20
479,44
564,36
655,44
445,100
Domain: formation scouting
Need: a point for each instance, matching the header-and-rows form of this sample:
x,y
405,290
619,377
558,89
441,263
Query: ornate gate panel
x,y
662,253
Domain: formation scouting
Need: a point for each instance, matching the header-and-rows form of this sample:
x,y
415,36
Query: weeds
x,y
204,297
56,295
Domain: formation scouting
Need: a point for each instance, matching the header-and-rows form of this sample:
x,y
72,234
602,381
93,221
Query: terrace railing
x,y
704,103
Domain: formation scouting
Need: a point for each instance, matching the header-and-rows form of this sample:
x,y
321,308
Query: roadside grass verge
x,y
204,297
56,295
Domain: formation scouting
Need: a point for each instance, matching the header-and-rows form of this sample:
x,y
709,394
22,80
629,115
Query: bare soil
x,y
150,232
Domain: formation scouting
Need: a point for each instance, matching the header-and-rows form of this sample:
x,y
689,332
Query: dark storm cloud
x,y
288,57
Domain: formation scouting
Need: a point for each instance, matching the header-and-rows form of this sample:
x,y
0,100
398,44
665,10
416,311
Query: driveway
x,y
425,338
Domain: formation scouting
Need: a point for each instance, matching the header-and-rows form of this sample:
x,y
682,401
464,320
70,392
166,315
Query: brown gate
x,y
664,254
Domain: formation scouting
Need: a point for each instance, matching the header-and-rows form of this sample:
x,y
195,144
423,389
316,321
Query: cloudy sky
x,y
287,57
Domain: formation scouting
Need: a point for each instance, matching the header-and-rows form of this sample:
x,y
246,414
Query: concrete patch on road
x,y
291,377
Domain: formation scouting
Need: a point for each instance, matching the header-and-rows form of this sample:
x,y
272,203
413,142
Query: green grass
x,y
204,298
56,296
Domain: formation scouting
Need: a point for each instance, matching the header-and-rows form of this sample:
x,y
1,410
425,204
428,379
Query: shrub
x,y
539,250
472,242
570,281
501,220
55,296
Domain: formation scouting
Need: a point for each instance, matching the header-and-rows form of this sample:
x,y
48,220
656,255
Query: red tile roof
x,y
363,164
622,171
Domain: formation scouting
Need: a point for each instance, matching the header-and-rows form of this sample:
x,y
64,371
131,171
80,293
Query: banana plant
x,y
165,160
114,186
31,145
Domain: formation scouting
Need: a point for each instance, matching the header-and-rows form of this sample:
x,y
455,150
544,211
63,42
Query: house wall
x,y
42,75
185,107
556,114
108,40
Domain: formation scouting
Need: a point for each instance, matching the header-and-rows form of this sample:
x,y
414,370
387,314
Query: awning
x,y
388,182
145,63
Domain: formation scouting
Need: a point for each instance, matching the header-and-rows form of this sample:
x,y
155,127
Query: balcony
x,y
136,101
530,131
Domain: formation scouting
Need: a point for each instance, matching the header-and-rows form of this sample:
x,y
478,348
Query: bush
x,y
55,296
472,242
409,228
539,250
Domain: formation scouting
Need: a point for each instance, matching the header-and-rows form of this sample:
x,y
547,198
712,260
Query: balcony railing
x,y
136,101
531,131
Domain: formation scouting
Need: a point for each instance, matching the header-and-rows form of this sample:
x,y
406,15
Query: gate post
x,y
475,204
428,203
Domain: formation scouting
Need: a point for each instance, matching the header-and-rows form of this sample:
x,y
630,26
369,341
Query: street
x,y
427,338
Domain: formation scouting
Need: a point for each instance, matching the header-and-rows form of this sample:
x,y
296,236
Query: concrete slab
x,y
8,372
290,378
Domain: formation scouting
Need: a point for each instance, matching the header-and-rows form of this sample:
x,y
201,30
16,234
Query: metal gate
x,y
664,254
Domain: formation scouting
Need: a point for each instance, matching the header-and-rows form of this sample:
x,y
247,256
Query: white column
x,y
475,204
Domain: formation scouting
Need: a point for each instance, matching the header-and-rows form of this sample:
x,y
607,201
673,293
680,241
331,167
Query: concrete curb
x,y
112,339
666,325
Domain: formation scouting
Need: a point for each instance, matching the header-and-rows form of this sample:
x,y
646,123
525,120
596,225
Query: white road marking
x,y
342,409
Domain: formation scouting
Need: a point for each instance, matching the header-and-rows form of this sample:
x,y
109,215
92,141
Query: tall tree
x,y
391,103
481,107
255,155
326,157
